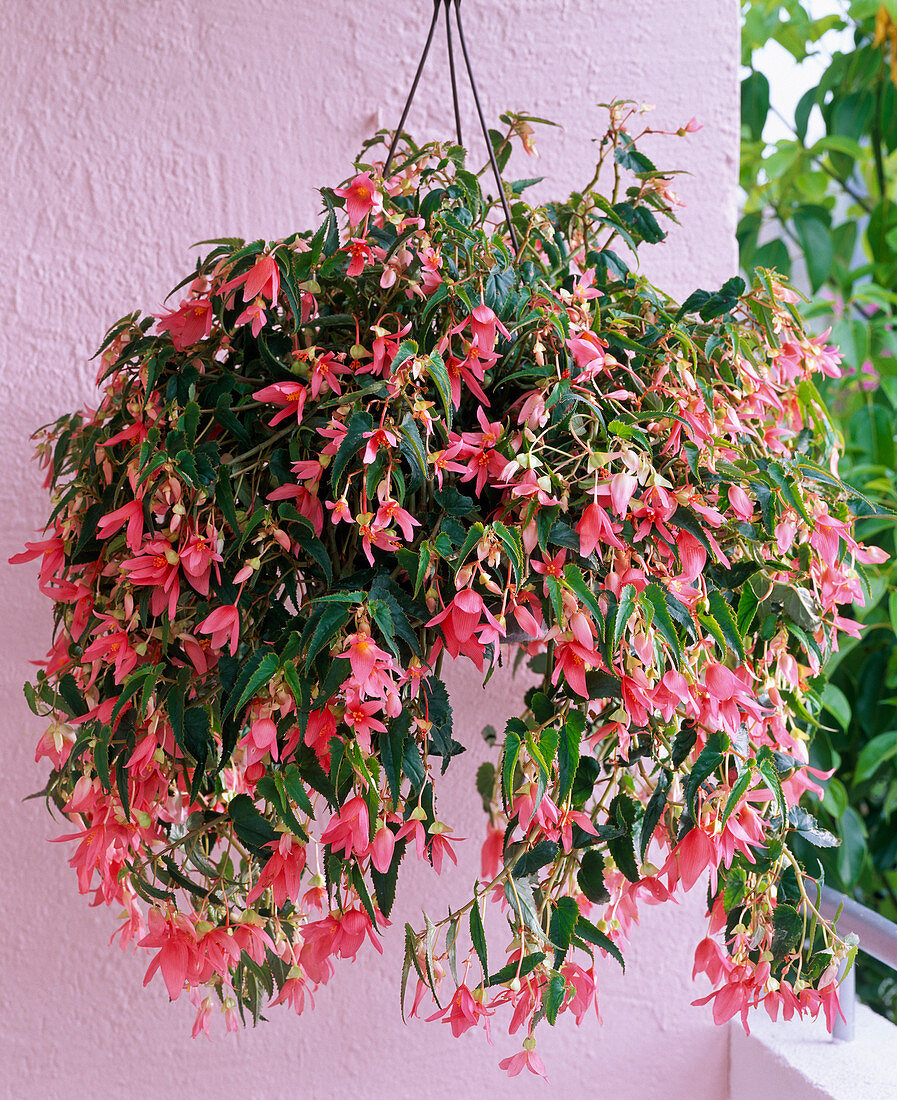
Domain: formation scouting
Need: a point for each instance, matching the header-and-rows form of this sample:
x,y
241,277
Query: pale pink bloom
x,y
175,937
692,556
339,510
360,716
377,439
153,567
691,127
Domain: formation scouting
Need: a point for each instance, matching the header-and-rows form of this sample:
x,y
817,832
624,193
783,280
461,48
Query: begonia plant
x,y
350,453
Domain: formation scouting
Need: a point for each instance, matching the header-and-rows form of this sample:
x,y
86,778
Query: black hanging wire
x,y
473,87
451,57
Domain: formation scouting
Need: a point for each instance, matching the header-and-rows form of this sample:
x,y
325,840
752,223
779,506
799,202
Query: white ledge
x,y
798,1060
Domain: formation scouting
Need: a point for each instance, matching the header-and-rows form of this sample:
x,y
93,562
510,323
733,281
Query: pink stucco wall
x,y
132,128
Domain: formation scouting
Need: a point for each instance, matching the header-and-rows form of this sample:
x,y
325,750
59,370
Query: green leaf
x,y
754,104
359,423
788,928
328,626
517,970
873,754
710,758
568,753
284,809
748,603
515,732
413,448
663,620
519,895
590,877
587,931
564,916
767,768
654,811
435,367
513,543
579,586
738,791
722,613
836,703
252,829
268,665
852,853
625,607
555,994
474,534
478,933
295,788
816,245
622,813
536,858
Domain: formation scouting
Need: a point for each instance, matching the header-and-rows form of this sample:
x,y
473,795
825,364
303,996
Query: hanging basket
x,y
348,453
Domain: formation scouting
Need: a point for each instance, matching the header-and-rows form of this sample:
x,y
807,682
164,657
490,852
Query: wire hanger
x,y
473,87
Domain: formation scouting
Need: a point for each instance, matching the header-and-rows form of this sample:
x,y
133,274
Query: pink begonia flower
x,y
465,614
197,559
484,326
492,853
188,324
588,352
175,937
254,312
382,848
260,280
360,716
692,556
130,513
282,874
691,127
595,529
157,565
360,254
363,654
524,1059
224,625
361,197
573,659
622,486
377,439
741,503
348,829
289,395
52,551
464,1011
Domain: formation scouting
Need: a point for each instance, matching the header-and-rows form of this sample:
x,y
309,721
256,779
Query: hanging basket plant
x,y
351,453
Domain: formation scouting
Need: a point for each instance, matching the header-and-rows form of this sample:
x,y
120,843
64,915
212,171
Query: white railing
x,y
878,938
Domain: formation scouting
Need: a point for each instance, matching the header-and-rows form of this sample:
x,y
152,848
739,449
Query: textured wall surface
x,y
133,128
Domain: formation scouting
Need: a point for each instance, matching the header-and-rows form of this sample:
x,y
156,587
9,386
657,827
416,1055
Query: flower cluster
x,y
349,452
